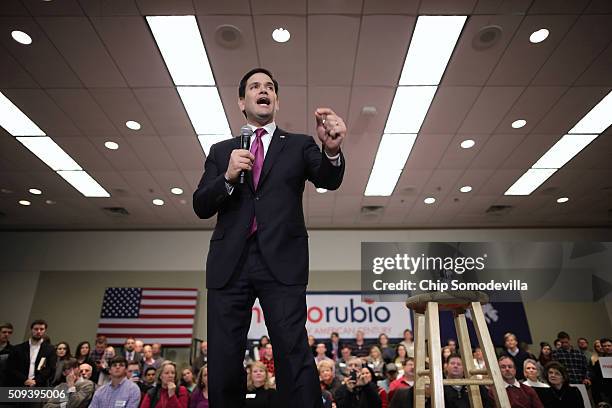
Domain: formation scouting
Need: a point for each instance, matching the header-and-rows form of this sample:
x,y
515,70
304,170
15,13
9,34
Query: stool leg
x,y
488,351
419,361
435,355
463,337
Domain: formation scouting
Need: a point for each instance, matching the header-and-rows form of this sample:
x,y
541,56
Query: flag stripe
x,y
146,311
171,292
144,326
118,341
144,336
170,297
150,330
149,321
171,304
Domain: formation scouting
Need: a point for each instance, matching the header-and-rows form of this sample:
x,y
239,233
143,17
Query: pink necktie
x,y
257,150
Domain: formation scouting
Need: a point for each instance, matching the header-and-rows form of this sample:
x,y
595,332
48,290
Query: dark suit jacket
x,y
291,159
19,365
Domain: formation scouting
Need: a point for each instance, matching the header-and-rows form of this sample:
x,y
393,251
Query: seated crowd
x,y
355,374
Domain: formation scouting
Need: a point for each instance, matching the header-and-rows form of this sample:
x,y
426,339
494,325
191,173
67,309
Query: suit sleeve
x,y
14,375
211,192
83,393
320,171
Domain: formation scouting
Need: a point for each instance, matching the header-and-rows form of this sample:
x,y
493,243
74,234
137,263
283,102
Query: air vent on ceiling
x,y
499,210
371,210
228,36
120,192
116,211
487,37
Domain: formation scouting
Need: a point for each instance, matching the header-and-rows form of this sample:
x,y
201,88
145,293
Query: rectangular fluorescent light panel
x,y
431,46
182,48
14,121
598,119
529,181
49,152
205,109
382,182
84,183
208,140
391,157
563,151
409,108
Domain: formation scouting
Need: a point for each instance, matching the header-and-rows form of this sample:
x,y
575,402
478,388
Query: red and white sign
x,y
606,366
345,314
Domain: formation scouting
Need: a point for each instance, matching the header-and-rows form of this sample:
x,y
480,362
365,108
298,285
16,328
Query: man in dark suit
x,y
32,363
129,351
259,248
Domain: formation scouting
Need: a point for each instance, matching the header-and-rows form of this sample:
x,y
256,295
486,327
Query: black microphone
x,y
245,141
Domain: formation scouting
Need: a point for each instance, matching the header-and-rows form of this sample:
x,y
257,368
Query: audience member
x,y
388,352
62,352
602,387
452,345
32,363
479,362
134,375
573,360
376,362
557,344
128,351
86,371
404,398
358,389
139,347
532,375
456,396
6,330
334,346
597,350
199,396
327,377
77,390
119,392
166,393
103,373
100,346
202,358
260,391
560,394
320,353
187,379
400,356
408,342
583,346
517,355
544,358
148,378
359,348
390,372
312,343
83,356
342,368
148,360
267,358
520,395
406,380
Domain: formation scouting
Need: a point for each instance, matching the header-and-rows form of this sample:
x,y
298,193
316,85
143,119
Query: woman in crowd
x,y
530,370
82,354
62,351
560,394
166,393
375,362
388,352
259,348
359,393
597,351
400,356
104,377
199,396
327,376
544,358
187,380
446,353
260,391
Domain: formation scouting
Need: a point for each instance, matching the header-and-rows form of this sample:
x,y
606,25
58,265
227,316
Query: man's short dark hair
x,y
583,338
149,368
38,321
454,355
562,335
245,78
6,325
69,363
334,334
118,360
605,340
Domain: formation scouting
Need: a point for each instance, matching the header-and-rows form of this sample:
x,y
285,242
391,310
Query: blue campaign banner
x,y
501,317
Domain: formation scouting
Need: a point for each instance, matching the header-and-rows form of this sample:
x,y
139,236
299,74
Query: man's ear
x,y
241,104
277,104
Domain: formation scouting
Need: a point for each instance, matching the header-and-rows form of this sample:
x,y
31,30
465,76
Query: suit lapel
x,y
277,144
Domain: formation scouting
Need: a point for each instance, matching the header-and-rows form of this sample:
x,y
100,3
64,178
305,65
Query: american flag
x,y
152,315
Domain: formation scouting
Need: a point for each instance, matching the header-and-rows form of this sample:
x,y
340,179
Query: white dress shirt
x,y
34,349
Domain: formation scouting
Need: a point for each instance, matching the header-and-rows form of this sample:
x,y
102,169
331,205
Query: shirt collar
x,y
35,343
515,384
270,128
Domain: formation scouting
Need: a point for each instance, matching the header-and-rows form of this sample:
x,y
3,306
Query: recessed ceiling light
x,y
467,144
465,189
539,35
176,190
158,201
132,124
50,202
24,202
517,124
111,145
562,200
321,190
21,37
35,191
429,200
281,35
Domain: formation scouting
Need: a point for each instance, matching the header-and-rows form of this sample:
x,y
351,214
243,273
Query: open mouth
x,y
263,101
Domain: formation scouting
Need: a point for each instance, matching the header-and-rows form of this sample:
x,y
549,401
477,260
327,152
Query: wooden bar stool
x,y
426,308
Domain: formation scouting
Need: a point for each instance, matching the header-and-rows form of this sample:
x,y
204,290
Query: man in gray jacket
x,y
77,391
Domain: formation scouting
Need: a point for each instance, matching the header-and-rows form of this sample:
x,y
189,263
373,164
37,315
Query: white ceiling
x,y
93,65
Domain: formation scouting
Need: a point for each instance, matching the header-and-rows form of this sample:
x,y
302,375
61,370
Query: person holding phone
x,y
358,390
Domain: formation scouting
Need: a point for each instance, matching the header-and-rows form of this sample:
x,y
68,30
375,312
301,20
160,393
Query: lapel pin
x,y
282,136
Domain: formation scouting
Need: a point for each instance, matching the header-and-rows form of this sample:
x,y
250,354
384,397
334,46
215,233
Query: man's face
x,y
346,353
204,348
508,371
133,370
118,370
565,344
454,368
268,350
100,347
408,336
583,344
138,346
150,376
511,342
355,364
86,371
452,345
129,344
334,338
409,369
260,102
359,335
156,349
321,349
38,331
607,348
5,334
